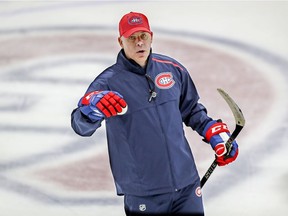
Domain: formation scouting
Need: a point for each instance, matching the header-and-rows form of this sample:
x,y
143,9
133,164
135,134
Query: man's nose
x,y
140,42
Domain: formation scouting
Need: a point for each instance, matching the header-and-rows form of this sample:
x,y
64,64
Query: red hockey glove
x,y
98,105
217,134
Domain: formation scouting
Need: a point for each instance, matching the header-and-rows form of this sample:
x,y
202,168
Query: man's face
x,y
137,46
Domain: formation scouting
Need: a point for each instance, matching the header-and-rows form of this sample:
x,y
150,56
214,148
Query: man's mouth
x,y
141,51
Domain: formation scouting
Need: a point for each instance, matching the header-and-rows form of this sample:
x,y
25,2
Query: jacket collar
x,y
130,64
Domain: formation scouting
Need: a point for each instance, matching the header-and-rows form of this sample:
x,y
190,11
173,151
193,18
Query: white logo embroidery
x,y
164,80
135,20
198,192
142,207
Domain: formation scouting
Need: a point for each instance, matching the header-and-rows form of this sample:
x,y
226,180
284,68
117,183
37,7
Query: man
x,y
144,99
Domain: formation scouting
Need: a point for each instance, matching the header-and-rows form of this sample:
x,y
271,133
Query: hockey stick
x,y
240,122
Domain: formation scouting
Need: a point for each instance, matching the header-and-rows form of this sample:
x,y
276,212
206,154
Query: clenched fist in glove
x,y
98,105
217,134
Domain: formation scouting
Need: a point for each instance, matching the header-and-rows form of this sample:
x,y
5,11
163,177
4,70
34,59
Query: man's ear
x,y
120,42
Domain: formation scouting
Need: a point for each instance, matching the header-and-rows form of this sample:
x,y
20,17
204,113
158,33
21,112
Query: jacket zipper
x,y
153,95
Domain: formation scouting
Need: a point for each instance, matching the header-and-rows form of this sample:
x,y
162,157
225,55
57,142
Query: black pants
x,y
184,202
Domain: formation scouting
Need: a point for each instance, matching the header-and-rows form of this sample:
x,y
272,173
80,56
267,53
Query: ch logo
x,y
164,80
142,207
198,192
135,20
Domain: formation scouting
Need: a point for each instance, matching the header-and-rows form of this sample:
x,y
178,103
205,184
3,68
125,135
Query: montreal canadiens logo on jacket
x,y
164,80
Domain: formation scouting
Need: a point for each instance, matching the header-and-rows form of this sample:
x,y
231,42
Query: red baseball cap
x,y
133,22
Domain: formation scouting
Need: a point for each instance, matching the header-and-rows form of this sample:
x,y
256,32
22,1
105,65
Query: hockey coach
x,y
144,99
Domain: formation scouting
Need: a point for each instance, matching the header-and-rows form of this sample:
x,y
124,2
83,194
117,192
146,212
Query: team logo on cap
x,y
135,20
164,80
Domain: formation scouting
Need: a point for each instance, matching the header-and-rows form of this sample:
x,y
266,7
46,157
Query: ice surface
x,y
50,52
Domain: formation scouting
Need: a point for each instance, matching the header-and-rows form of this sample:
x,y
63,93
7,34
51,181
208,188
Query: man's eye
x,y
144,36
132,38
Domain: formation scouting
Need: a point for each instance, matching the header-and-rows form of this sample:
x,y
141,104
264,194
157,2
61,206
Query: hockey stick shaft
x,y
240,122
214,164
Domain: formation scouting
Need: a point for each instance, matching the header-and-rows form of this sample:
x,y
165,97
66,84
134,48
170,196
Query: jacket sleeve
x,y
82,125
194,114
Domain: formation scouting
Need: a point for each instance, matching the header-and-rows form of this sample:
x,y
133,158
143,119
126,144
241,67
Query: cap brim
x,y
132,31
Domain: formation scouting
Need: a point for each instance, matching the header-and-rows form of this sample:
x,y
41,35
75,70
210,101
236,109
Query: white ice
x,y
35,112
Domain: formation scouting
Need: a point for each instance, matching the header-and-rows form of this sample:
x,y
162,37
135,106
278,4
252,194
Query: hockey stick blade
x,y
240,122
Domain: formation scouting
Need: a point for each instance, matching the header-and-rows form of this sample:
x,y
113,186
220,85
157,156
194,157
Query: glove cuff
x,y
93,114
214,128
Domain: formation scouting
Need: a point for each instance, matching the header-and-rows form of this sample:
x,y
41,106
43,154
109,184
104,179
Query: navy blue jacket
x,y
148,151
